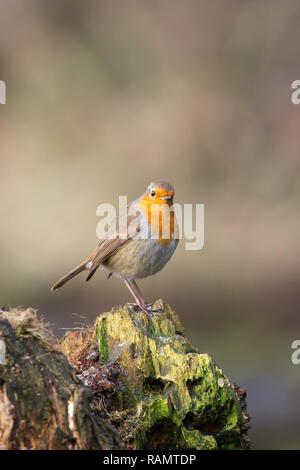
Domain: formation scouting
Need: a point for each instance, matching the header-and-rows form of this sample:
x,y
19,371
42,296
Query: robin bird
x,y
149,241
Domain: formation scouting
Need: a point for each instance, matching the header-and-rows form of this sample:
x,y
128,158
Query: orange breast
x,y
160,218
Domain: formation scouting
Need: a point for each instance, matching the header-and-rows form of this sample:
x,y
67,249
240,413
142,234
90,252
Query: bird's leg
x,y
127,284
141,297
139,302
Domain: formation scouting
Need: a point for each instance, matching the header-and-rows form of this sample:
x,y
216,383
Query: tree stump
x,y
43,405
129,381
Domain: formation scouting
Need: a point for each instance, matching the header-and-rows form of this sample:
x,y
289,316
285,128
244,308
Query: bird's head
x,y
159,192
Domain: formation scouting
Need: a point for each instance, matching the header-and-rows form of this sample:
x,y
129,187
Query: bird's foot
x,y
146,308
151,309
148,305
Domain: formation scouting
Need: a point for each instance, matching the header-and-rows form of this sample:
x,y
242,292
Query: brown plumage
x,y
129,255
81,267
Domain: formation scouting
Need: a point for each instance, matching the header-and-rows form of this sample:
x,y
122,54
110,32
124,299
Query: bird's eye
x,y
152,193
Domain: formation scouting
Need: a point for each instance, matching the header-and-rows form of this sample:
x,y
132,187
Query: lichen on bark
x,y
129,381
164,394
43,405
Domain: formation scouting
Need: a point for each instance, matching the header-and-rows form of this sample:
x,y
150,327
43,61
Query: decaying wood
x,y
130,381
43,405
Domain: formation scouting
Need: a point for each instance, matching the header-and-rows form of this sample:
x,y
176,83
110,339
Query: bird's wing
x,y
119,233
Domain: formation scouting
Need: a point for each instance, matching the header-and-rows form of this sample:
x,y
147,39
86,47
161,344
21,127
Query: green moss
x,y
19,331
180,397
102,340
193,439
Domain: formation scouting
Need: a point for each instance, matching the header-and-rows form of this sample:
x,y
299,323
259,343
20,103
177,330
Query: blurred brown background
x,y
102,98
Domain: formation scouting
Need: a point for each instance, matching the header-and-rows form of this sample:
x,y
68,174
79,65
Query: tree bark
x,y
130,381
43,405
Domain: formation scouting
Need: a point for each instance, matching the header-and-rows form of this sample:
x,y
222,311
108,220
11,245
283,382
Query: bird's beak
x,y
166,198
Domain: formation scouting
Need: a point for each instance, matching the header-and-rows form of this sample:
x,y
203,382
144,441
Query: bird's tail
x,y
81,267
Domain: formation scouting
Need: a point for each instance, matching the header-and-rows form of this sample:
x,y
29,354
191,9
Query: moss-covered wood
x,y
43,405
130,381
158,390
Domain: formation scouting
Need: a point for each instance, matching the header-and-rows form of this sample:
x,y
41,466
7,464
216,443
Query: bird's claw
x,y
146,308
